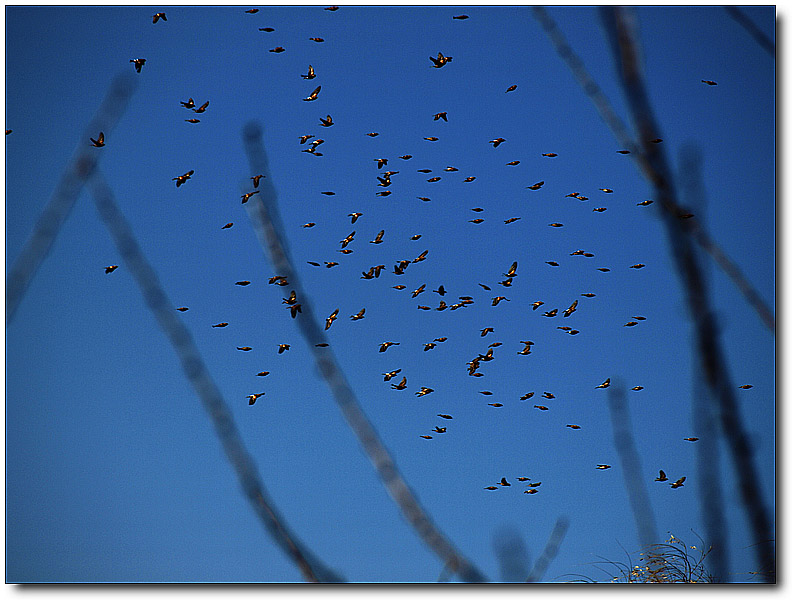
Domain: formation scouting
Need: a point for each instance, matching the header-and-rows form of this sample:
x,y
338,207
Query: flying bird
x,y
513,163
606,190
98,143
637,266
661,476
445,416
267,29
426,437
385,345
536,186
158,16
193,120
604,384
220,325
189,104
551,313
333,8
316,39
550,154
645,203
359,315
423,391
283,347
244,348
253,397
278,49
441,115
110,269
139,62
572,308
679,482
511,88
314,95
256,179
440,61
747,386
691,439
182,309
537,304
390,375
603,466
330,319
252,11
540,407
326,122
574,426
311,74
708,82
497,142
460,17
246,197
432,138
201,108
401,385
183,178
246,282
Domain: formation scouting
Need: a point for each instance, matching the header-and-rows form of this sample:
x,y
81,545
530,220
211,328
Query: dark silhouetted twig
x,y
631,466
267,225
764,41
550,551
623,40
82,164
638,153
195,370
705,420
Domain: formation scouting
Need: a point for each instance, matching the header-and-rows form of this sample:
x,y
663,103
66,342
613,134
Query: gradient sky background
x,y
113,469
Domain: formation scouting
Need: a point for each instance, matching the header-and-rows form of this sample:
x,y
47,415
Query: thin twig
x,y
641,154
631,466
198,375
550,550
623,41
752,29
266,223
82,164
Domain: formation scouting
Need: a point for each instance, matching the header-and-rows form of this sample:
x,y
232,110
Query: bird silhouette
x,y
158,16
497,142
511,88
201,108
604,384
183,178
313,95
661,476
440,61
311,73
139,62
110,269
401,385
99,142
330,319
679,482
326,122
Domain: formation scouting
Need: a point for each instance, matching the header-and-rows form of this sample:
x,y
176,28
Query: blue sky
x,y
113,470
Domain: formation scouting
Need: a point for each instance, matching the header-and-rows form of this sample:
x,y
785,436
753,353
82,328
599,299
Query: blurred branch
x,y
764,41
550,551
82,164
705,423
198,375
622,38
631,466
643,155
267,225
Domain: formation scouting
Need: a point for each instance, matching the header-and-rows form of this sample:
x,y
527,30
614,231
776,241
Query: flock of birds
x,y
384,178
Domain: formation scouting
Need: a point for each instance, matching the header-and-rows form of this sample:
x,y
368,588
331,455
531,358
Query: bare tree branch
x,y
623,40
642,161
631,467
82,164
550,550
267,225
198,375
764,41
